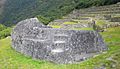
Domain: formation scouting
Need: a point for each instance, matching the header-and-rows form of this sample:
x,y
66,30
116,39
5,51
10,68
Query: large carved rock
x,y
32,38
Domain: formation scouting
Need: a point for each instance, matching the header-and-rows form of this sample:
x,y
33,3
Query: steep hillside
x,y
45,10
102,16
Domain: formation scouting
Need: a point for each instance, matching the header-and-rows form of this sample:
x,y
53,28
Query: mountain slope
x,y
2,2
45,10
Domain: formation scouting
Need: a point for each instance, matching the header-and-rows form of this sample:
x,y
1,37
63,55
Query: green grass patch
x,y
83,29
100,22
80,21
55,26
69,23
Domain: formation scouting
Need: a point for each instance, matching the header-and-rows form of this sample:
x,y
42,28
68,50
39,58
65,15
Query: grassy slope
x,y
10,59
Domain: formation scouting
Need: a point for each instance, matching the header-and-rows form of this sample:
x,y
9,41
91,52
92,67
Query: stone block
x,y
32,38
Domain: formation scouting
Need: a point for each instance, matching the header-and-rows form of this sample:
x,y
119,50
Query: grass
x,y
100,22
69,23
80,21
55,26
83,29
10,59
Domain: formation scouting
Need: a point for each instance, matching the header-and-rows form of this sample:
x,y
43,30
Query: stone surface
x,y
32,38
115,19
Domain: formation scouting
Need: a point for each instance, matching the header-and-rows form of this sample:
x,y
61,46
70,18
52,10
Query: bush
x,y
44,20
2,27
4,31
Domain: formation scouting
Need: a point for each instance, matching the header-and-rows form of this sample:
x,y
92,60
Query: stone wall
x,y
32,38
115,19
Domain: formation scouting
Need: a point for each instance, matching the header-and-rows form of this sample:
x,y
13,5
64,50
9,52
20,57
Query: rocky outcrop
x,y
32,38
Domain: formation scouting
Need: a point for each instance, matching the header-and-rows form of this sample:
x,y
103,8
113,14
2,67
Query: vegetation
x,y
101,22
2,27
45,10
44,20
83,28
10,59
4,31
69,23
55,26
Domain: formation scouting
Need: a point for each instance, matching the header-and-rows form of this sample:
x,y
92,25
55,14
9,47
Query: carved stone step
x,y
61,35
57,42
54,51
36,40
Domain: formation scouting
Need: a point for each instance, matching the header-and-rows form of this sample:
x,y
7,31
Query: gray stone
x,y
115,19
107,17
32,38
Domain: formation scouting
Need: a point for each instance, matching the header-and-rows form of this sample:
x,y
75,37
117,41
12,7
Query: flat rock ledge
x,y
32,38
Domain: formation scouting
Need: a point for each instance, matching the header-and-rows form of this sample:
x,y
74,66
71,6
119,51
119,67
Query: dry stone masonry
x,y
32,38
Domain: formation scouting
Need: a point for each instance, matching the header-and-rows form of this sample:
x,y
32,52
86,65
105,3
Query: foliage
x,y
4,31
44,20
45,10
88,3
2,27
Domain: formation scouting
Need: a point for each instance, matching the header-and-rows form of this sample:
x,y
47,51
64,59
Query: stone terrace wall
x,y
34,39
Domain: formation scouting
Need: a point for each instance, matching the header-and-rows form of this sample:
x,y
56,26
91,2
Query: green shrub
x,y
4,31
44,20
2,27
